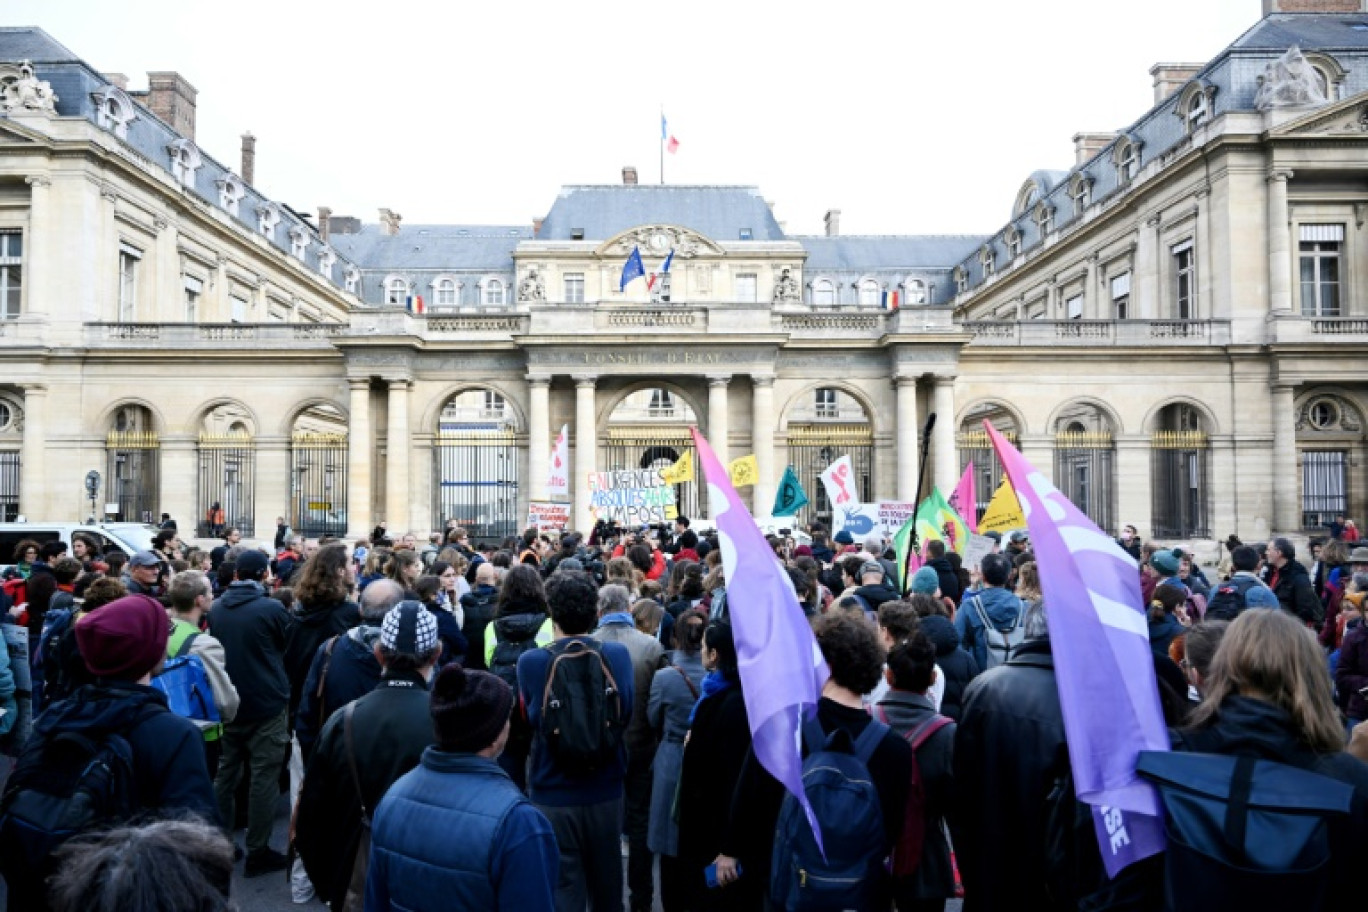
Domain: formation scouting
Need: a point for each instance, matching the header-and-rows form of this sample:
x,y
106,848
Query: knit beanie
x,y
124,639
925,581
469,709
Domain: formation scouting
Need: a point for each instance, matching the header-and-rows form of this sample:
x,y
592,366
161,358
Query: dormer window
x,y
1013,241
299,241
961,280
1044,219
987,261
114,110
1195,105
1126,157
824,292
396,291
916,291
268,217
231,191
351,279
444,293
1080,191
326,258
869,293
185,161
493,292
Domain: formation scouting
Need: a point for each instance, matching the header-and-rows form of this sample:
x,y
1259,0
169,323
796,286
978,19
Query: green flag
x,y
902,547
790,498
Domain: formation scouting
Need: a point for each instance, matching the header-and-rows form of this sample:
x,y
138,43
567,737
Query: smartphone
x,y
710,875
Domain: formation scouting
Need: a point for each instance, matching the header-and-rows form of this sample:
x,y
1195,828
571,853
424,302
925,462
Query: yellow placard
x,y
744,471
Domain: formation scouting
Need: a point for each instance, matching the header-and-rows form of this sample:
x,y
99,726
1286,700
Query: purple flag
x,y
782,669
1103,665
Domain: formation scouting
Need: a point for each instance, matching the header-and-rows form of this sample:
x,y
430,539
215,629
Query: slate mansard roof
x,y
721,213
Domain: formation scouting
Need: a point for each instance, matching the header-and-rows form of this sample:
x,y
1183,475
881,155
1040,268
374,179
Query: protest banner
x,y
860,520
558,475
548,517
839,479
978,547
631,498
893,514
1004,512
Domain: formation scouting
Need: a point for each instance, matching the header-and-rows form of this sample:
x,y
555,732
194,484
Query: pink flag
x,y
672,145
965,500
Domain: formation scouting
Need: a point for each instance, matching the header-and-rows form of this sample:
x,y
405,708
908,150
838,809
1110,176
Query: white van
x,y
124,536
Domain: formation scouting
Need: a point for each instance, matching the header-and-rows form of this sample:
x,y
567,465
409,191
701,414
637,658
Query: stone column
x,y
1279,253
1091,309
718,427
41,262
762,439
397,458
538,435
34,495
1145,281
943,436
271,485
907,445
360,447
1284,466
178,472
586,449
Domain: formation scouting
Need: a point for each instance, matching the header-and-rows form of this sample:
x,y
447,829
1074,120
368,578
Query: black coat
x,y
1297,593
352,672
253,630
313,626
949,580
1014,797
1246,726
719,740
956,664
480,604
391,727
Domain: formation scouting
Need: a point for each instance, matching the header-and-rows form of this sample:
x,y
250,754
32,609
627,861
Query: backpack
x,y
70,781
999,651
1243,832
1229,599
581,711
503,661
845,803
907,851
184,680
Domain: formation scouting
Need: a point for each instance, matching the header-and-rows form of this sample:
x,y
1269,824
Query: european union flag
x,y
632,269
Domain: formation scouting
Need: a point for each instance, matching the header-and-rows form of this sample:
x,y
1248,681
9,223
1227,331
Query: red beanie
x,y
124,639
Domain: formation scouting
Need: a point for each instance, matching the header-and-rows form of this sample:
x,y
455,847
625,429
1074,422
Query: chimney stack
x,y
1171,77
249,157
324,223
389,222
629,176
1086,145
118,80
536,226
833,222
173,100
1313,6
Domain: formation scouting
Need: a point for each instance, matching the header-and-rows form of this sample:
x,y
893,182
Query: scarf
x,y
616,617
713,684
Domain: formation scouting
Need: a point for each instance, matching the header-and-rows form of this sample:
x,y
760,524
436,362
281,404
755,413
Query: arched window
x,y
1012,238
824,292
1044,219
1080,191
1180,462
1027,197
493,291
869,293
987,260
396,291
231,191
1126,157
1085,462
961,280
916,291
445,293
268,216
185,161
299,241
114,110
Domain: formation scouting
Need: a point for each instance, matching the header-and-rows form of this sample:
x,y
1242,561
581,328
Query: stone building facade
x,y
1174,326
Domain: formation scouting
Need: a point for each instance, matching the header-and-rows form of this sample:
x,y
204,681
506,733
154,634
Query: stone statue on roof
x,y
27,93
1289,82
531,288
786,289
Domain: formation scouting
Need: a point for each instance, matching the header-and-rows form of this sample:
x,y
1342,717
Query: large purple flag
x,y
782,669
1103,665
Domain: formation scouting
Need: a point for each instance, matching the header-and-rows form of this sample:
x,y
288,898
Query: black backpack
x,y
1229,599
69,780
1244,833
582,711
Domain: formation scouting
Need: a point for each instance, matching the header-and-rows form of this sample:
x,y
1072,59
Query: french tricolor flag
x,y
671,144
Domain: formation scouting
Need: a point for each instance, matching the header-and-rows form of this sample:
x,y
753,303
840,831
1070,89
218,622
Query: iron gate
x,y
1325,487
976,447
227,465
9,485
813,447
476,482
1179,468
318,484
131,477
632,448
1084,467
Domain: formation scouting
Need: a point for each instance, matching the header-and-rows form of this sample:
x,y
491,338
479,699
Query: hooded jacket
x,y
313,626
957,666
875,594
352,672
254,631
1296,593
949,580
1163,632
480,605
1002,608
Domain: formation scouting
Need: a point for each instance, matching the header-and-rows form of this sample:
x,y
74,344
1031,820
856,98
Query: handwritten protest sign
x,y
631,497
548,517
978,547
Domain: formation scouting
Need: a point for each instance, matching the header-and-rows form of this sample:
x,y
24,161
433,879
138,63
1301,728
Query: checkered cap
x,y
409,629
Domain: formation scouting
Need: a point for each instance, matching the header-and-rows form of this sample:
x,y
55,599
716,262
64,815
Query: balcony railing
x,y
213,335
1092,333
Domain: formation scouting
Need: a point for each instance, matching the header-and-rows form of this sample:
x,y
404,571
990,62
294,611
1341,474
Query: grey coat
x,y
670,704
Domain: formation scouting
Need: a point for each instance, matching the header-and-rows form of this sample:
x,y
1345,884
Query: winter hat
x,y
802,551
469,709
925,581
571,563
1166,562
409,629
124,639
844,538
251,565
1257,597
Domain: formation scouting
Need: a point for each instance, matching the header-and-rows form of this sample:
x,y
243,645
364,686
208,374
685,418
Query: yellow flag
x,y
1004,511
681,471
744,471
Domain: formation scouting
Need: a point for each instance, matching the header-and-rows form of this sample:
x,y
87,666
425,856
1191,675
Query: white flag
x,y
558,479
839,480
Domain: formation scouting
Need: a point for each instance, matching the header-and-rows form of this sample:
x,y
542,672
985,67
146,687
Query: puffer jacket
x,y
957,666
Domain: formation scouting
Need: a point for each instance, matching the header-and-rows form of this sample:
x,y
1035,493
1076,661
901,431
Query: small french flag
x,y
414,303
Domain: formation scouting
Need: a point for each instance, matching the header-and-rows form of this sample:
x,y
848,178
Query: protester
x,y
1231,597
897,621
325,610
955,666
361,752
1199,648
455,833
1351,673
123,644
254,630
946,577
191,596
1130,541
1166,617
871,590
994,605
59,653
576,780
404,567
1291,583
523,624
454,644
480,605
616,626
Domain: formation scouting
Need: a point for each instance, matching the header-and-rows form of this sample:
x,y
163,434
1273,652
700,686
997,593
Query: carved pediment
x,y
1345,118
659,240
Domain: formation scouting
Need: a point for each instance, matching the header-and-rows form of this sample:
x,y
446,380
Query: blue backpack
x,y
186,684
838,786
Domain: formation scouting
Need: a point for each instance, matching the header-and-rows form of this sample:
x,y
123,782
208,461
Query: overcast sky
x,y
910,117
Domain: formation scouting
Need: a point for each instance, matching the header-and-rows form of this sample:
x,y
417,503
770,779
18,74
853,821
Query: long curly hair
x,y
323,580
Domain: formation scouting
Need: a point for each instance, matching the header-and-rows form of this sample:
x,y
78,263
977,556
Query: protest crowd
x,y
571,721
